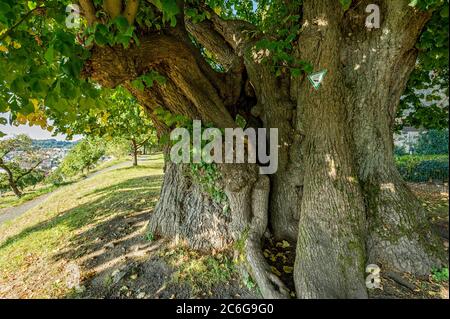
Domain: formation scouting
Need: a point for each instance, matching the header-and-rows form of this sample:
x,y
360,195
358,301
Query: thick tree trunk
x,y
336,192
12,181
400,237
330,257
135,152
377,65
276,109
186,212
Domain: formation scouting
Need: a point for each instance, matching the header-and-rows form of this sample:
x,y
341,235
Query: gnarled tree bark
x,y
336,192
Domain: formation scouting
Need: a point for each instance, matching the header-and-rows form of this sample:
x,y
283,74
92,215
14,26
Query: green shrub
x,y
400,150
440,275
82,157
432,142
423,168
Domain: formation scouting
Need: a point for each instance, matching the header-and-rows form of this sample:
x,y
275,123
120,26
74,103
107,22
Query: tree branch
x,y
143,142
233,31
89,11
28,171
205,34
5,153
20,21
112,7
131,10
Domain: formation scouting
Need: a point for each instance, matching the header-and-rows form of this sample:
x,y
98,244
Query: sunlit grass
x,y
200,271
9,199
29,243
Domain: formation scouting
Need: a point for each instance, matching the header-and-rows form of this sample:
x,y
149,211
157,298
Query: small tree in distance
x,y
124,119
24,162
82,157
433,142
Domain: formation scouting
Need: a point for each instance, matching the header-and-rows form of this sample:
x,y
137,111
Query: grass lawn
x,y
8,199
99,225
35,247
107,164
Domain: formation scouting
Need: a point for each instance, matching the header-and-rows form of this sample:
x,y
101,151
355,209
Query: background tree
x,y
123,118
425,101
80,159
432,142
22,164
337,193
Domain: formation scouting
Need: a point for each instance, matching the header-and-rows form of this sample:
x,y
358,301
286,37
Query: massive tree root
x,y
186,212
269,284
400,237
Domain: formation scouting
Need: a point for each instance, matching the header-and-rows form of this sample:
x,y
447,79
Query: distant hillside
x,y
52,143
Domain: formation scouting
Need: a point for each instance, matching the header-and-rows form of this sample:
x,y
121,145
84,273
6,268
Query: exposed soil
x,y
116,258
121,263
281,255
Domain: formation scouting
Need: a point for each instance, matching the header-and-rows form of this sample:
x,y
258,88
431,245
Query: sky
x,y
35,132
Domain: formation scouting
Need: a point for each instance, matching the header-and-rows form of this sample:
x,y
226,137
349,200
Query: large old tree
x,y
336,193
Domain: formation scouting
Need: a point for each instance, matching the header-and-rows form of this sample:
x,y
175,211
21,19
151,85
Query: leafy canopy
x,y
42,58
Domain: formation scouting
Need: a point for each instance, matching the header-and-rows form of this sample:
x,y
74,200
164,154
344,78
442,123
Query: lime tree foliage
x,y
432,142
425,101
80,159
19,162
118,148
216,60
123,119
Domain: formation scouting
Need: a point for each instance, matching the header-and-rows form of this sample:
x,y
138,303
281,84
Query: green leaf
x,y
121,23
413,3
100,39
295,72
444,12
169,8
49,54
138,84
346,4
124,40
31,5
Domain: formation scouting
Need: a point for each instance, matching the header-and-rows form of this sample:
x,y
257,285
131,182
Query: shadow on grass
x,y
10,200
130,196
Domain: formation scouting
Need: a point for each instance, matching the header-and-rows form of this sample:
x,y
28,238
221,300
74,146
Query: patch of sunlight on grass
x,y
10,200
36,237
200,272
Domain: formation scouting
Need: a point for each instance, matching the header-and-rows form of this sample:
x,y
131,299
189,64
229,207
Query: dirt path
x,y
10,213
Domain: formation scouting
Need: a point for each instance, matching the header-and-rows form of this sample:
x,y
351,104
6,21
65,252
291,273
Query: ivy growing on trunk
x,y
337,194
